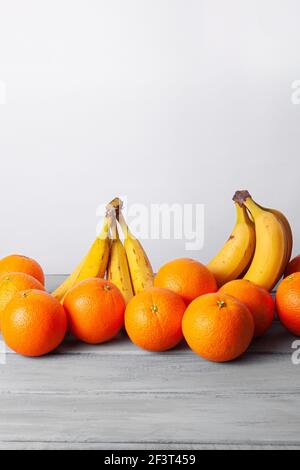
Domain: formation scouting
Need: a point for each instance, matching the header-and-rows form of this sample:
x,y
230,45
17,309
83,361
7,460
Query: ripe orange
x,y
257,299
95,310
293,266
288,303
12,283
218,327
186,277
153,319
22,264
34,323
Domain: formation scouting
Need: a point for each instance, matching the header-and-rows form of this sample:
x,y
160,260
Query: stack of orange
x,y
219,325
33,323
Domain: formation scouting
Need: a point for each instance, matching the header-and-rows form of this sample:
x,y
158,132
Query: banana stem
x,y
115,206
241,196
114,230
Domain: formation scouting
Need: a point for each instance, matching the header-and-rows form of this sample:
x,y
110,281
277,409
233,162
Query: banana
x,y
288,231
271,244
118,269
93,265
287,228
238,251
139,264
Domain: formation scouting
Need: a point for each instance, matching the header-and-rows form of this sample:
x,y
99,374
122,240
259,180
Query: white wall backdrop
x,y
159,100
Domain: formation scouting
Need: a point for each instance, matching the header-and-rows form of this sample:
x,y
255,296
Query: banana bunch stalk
x,y
258,249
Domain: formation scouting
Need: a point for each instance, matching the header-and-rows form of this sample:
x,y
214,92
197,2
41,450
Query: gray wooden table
x,y
116,396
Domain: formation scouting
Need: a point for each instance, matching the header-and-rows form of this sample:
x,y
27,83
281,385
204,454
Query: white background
x,y
162,101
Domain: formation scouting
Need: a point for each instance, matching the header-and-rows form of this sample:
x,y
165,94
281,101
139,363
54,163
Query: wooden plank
x,y
113,446
96,374
123,401
154,419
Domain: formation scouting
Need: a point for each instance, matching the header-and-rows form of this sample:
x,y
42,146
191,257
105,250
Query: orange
x,y
186,277
22,264
257,299
293,266
34,323
153,319
218,327
288,303
12,283
95,310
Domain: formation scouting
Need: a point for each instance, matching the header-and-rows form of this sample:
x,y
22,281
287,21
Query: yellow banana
x,y
288,231
287,228
271,245
118,269
139,265
238,251
93,265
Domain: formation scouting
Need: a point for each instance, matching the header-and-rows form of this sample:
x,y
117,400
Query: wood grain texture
x,y
115,396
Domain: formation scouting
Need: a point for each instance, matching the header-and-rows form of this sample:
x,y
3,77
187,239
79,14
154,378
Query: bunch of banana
x,y
140,268
93,265
127,265
260,257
